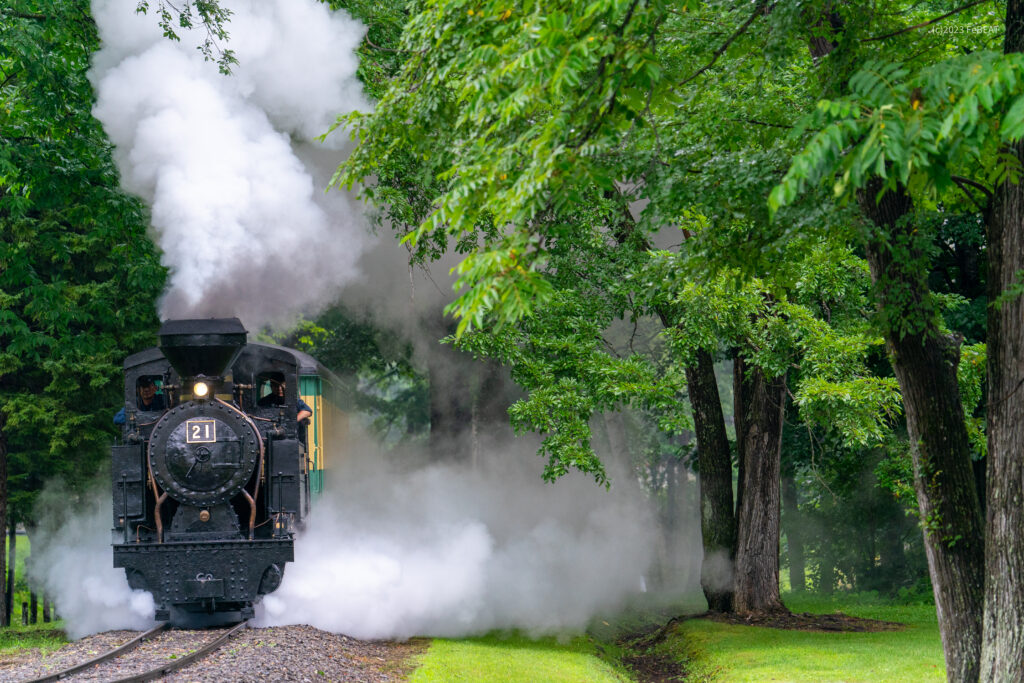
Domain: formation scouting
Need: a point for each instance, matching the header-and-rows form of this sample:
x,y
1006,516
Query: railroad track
x,y
152,674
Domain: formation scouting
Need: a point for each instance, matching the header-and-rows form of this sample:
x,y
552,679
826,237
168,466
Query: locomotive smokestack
x,y
205,346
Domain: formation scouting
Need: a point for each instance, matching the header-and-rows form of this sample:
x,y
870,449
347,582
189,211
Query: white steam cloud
x,y
442,551
238,209
71,563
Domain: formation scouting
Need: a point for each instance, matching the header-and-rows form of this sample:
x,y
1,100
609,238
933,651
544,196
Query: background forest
x,y
767,251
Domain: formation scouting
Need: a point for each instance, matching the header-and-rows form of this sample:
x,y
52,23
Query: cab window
x,y
149,394
270,389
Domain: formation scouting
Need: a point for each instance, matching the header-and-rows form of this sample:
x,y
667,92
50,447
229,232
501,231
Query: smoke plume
x,y
238,208
446,551
71,563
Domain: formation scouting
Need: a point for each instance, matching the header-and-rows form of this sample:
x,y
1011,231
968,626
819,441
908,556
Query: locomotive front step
x,y
204,577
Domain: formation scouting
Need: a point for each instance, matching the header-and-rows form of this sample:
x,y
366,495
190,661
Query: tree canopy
x,y
779,144
78,277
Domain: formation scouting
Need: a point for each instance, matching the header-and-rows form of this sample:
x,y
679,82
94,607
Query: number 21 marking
x,y
200,431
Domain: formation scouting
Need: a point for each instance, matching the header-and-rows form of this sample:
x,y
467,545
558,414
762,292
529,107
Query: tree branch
x,y
602,67
763,123
10,77
372,44
973,183
24,15
960,182
758,10
927,23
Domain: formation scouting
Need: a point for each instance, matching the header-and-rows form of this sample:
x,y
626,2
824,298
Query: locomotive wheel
x,y
271,579
203,453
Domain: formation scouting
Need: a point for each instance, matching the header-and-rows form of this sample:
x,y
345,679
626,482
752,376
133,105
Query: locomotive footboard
x,y
200,579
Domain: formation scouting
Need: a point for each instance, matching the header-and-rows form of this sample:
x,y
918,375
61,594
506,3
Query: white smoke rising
x,y
445,551
71,562
239,215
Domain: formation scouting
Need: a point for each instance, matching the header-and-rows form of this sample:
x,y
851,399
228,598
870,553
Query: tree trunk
x,y
12,563
1001,658
3,508
33,607
826,569
1004,548
615,429
469,402
496,392
450,406
794,535
739,390
675,499
717,522
980,469
46,609
925,362
756,583
891,555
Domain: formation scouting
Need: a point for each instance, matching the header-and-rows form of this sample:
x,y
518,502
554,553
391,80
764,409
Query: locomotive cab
x,y
210,489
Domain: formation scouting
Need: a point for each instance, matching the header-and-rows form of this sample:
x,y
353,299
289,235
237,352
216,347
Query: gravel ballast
x,y
280,653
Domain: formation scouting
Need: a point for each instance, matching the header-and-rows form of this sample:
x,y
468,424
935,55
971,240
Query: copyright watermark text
x,y
950,29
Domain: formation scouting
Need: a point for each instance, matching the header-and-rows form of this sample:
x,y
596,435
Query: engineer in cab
x,y
149,400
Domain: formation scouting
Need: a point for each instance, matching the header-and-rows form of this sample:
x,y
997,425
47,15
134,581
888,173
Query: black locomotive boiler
x,y
215,471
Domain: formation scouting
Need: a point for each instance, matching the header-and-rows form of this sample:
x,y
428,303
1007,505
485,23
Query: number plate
x,y
201,431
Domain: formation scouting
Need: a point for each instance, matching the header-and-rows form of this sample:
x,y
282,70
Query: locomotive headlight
x,y
200,389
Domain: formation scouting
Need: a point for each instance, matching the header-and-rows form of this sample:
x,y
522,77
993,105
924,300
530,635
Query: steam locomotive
x,y
214,473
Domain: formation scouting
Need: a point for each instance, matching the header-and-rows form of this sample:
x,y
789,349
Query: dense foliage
x,y
381,381
78,276
558,137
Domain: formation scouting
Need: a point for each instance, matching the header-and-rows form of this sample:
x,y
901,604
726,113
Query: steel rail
x,y
182,662
116,652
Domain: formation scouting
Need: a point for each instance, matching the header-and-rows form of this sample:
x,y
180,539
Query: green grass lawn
x,y
45,636
726,653
515,658
21,589
14,641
